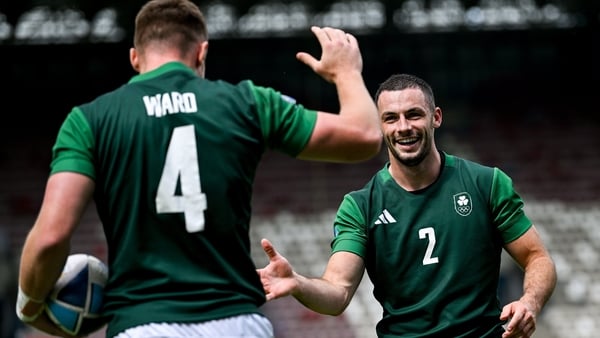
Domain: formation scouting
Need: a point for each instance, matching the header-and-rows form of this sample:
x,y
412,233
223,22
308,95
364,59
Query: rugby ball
x,y
75,303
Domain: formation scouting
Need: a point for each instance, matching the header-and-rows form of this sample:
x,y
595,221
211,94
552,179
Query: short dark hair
x,y
173,23
403,81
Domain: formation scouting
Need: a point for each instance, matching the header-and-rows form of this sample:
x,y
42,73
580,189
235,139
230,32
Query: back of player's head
x,y
177,24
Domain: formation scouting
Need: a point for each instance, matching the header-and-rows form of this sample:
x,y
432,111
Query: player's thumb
x,y
268,248
506,312
307,59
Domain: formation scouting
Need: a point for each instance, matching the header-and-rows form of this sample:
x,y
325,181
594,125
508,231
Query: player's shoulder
x,y
375,183
462,163
459,169
105,99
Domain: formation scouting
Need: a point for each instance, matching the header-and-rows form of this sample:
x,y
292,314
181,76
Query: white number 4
x,y
182,164
430,234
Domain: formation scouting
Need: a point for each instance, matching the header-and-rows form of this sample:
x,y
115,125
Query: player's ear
x,y
201,54
437,117
134,59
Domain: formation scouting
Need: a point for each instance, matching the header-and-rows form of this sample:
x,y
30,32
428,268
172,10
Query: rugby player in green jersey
x,y
169,159
429,229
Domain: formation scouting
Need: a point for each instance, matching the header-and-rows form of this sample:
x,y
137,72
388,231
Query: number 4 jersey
x,y
433,255
174,158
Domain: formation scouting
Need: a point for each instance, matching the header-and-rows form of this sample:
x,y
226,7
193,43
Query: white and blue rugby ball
x,y
75,303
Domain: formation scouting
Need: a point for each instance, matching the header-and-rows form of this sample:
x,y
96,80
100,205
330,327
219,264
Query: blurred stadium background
x,y
516,80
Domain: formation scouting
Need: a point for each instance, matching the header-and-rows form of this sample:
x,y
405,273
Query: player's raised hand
x,y
277,277
340,54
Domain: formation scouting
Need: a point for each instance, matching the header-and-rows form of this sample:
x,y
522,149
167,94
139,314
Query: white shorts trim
x,y
247,326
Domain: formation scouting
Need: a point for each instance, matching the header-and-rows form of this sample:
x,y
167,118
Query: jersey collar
x,y
165,68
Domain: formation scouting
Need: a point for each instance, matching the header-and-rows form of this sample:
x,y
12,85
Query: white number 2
x,y
182,164
430,234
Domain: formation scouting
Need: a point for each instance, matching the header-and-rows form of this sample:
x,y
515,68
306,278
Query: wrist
x,y
530,303
28,309
351,77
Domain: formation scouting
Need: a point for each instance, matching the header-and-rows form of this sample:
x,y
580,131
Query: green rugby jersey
x,y
434,255
174,158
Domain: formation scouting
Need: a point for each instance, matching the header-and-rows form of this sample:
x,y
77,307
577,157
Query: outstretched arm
x,y
353,134
538,285
329,294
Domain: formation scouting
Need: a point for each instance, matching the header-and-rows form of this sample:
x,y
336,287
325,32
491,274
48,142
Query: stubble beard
x,y
410,160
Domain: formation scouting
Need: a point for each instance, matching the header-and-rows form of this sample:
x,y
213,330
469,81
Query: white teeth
x,y
407,141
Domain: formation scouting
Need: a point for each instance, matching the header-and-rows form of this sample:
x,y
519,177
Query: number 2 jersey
x,y
433,255
174,158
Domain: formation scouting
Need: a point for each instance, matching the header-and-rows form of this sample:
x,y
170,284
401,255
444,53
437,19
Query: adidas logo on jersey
x,y
385,218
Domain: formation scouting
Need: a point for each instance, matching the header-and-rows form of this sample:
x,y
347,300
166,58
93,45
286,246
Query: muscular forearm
x,y
320,295
42,260
539,282
41,264
358,109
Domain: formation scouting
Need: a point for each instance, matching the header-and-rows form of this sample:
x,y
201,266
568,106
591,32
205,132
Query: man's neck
x,y
420,176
